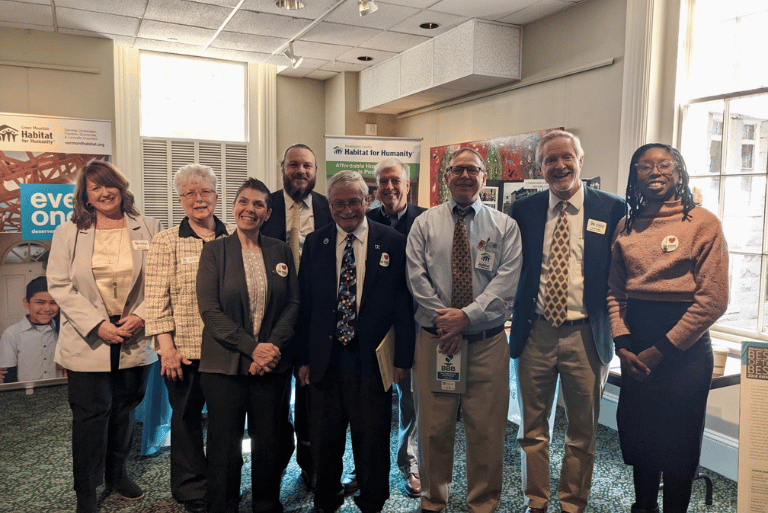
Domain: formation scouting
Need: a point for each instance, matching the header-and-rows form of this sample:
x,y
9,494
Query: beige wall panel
x,y
301,119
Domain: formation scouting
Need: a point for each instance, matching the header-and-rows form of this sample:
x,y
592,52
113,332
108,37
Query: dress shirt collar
x,y
576,201
289,201
185,230
399,214
26,325
360,233
476,206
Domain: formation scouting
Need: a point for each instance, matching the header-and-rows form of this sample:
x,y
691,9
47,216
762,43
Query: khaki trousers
x,y
568,351
484,413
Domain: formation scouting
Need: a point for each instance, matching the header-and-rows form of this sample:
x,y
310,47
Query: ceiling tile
x,y
337,34
248,42
446,22
354,53
394,41
250,22
186,35
193,14
235,55
319,50
338,66
132,8
312,8
321,75
387,16
123,40
88,20
167,47
421,4
307,65
486,9
536,11
31,14
25,26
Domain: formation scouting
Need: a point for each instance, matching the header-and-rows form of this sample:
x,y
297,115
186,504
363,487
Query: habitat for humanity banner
x,y
361,154
36,152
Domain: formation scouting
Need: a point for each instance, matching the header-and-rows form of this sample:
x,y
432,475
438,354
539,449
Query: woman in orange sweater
x,y
668,284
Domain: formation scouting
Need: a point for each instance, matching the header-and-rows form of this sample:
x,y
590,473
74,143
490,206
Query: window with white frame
x,y
724,139
193,110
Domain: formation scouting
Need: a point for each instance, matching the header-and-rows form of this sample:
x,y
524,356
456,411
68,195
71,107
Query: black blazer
x,y
531,216
403,224
385,301
275,226
222,296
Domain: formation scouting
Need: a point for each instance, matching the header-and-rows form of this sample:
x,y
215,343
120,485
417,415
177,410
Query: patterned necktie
x,y
461,272
555,304
295,233
346,310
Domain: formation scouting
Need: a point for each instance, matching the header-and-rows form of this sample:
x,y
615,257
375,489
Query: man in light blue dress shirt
x,y
479,325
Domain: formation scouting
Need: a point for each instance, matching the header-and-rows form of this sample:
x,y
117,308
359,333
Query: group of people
x,y
308,289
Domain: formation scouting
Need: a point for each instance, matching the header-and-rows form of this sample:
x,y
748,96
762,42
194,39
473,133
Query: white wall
x,y
588,104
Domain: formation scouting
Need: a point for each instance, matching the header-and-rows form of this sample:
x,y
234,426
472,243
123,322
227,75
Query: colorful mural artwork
x,y
509,158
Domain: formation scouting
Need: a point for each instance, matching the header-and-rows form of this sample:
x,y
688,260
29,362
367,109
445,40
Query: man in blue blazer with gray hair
x,y
560,322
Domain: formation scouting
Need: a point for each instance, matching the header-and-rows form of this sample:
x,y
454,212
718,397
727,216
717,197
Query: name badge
x,y
384,262
596,226
190,260
140,245
485,261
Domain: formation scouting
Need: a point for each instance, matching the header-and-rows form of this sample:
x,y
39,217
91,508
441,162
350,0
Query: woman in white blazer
x,y
95,273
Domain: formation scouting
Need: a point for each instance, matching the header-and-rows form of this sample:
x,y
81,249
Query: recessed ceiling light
x,y
290,5
429,26
365,58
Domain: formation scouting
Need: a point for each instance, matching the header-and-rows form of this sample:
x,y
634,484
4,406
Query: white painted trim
x,y
637,77
127,153
262,119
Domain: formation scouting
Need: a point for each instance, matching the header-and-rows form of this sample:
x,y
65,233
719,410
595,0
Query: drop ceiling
x,y
329,34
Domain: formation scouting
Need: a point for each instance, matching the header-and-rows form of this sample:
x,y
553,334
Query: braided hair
x,y
635,199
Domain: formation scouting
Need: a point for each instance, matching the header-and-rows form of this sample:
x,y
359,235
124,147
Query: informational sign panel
x,y
753,426
361,154
43,208
44,150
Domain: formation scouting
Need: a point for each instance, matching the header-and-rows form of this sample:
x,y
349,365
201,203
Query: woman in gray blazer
x,y
248,295
95,274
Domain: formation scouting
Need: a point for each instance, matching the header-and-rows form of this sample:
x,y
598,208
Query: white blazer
x,y
72,285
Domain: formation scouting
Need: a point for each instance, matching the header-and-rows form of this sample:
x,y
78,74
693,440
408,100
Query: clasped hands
x,y
120,332
265,358
639,366
449,323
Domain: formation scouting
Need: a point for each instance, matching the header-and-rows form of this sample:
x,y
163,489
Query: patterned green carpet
x,y
35,458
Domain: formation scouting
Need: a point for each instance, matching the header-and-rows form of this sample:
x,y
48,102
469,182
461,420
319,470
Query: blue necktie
x,y
345,329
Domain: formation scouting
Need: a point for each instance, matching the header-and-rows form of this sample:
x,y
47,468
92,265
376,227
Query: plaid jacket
x,y
170,294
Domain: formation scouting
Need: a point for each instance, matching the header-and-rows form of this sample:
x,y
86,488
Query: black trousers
x,y
229,399
103,405
344,397
188,464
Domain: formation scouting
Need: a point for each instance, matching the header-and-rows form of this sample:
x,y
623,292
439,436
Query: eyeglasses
x,y
339,205
665,167
205,194
472,171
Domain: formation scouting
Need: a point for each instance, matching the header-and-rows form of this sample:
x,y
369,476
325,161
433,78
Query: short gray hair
x,y
388,163
556,134
345,178
193,172
468,150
